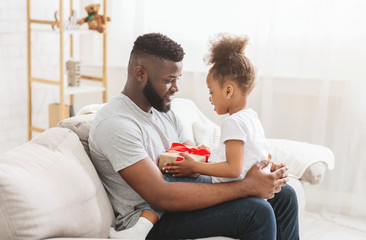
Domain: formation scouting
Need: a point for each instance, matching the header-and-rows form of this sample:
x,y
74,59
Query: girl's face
x,y
218,95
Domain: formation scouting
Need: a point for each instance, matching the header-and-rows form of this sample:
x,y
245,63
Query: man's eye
x,y
170,81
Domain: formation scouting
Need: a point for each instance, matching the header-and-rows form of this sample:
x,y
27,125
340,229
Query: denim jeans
x,y
170,178
247,218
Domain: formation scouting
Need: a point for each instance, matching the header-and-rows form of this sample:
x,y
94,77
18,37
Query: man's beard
x,y
154,99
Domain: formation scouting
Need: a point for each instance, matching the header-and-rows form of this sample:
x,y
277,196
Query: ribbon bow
x,y
177,147
90,16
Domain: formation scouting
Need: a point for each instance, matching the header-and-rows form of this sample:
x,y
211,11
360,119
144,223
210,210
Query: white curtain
x,y
310,59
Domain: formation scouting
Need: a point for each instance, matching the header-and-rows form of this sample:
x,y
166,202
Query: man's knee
x,y
288,196
261,210
260,221
264,211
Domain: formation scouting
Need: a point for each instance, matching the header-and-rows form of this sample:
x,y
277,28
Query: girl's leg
x,y
199,179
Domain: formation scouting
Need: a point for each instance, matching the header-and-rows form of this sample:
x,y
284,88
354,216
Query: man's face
x,y
161,84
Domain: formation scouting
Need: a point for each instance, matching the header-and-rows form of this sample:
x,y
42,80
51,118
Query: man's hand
x,y
181,168
275,166
265,185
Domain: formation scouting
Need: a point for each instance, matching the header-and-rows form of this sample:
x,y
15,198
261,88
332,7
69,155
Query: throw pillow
x,y
206,134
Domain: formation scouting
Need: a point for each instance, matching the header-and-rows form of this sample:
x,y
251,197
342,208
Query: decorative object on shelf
x,y
54,114
72,111
69,24
94,20
73,73
55,24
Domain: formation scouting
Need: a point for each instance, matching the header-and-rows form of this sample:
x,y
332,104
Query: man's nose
x,y
210,99
174,87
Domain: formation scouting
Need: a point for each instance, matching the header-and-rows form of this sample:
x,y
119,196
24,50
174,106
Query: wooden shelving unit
x,y
64,91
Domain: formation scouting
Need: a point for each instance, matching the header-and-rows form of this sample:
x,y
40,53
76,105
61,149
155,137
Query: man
x,y
135,127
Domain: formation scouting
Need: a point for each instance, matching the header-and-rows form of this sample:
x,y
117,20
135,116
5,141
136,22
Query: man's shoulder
x,y
115,116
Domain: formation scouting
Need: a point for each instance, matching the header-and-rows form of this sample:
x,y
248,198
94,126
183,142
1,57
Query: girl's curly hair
x,y
228,61
158,45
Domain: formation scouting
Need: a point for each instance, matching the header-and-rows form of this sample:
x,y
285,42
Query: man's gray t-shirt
x,y
122,134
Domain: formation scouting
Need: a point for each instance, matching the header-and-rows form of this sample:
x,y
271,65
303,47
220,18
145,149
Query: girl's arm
x,y
231,168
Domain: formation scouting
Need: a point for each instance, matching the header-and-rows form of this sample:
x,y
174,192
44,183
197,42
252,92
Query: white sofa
x,y
49,188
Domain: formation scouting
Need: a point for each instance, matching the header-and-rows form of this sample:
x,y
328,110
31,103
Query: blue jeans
x,y
170,178
247,218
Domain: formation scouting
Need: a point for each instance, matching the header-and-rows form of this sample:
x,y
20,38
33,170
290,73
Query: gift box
x,y
172,155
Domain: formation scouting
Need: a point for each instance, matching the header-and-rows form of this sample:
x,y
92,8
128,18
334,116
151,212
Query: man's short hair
x,y
157,45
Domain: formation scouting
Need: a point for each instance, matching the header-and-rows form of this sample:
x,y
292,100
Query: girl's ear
x,y
229,91
140,73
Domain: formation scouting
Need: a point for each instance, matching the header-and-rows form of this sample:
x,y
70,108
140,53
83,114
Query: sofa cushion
x,y
188,113
206,134
49,188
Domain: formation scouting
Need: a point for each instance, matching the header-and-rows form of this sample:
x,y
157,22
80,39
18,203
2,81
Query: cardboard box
x,y
174,156
54,114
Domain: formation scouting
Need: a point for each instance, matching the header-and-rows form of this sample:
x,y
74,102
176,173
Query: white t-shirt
x,y
245,126
121,135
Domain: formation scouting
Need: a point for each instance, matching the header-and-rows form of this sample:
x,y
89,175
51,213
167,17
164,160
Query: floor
x,y
317,227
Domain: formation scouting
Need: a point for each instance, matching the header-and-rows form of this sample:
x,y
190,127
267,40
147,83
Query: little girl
x,y
242,142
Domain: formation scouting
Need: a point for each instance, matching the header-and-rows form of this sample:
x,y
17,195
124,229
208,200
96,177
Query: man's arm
x,y
146,179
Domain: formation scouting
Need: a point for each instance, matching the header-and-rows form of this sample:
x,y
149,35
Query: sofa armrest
x,y
314,174
306,162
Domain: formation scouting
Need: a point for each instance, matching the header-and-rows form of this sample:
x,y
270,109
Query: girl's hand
x,y
204,147
181,168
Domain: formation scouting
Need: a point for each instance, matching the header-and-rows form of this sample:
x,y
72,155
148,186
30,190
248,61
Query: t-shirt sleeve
x,y
122,146
231,129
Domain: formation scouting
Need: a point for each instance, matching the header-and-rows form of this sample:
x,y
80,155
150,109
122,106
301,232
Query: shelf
x,y
83,88
89,84
68,32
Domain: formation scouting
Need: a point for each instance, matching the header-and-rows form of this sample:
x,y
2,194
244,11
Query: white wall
x,y
13,74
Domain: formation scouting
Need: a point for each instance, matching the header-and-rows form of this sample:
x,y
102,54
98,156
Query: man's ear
x,y
229,91
140,74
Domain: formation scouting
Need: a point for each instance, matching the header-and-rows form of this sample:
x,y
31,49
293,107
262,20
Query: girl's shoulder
x,y
244,114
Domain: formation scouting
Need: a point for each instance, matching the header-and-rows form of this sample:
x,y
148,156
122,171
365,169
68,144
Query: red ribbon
x,y
177,147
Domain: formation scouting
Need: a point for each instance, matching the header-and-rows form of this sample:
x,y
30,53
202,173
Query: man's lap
x,y
230,219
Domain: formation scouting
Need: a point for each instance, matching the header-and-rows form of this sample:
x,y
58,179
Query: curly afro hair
x,y
229,61
159,46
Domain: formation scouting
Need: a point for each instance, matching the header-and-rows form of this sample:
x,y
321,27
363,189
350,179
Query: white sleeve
x,y
121,142
231,129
